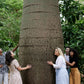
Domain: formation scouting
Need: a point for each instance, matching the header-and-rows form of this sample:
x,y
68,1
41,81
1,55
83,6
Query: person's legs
x,y
71,79
1,78
68,71
77,78
5,78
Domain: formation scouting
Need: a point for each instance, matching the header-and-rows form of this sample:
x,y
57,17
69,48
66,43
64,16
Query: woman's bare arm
x,y
24,68
71,64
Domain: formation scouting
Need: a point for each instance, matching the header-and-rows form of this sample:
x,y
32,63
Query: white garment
x,y
60,62
66,57
4,78
61,72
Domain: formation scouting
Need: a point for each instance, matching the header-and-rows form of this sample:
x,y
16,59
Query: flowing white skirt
x,y
62,76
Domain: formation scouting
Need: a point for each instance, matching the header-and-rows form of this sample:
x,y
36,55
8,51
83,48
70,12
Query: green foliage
x,y
10,21
72,21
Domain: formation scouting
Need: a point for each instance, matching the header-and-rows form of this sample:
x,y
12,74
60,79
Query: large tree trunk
x,y
40,34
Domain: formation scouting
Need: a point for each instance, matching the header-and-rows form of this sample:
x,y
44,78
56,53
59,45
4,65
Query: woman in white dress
x,y
60,68
14,67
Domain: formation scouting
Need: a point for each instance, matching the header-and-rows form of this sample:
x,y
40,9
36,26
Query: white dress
x,y
15,77
61,72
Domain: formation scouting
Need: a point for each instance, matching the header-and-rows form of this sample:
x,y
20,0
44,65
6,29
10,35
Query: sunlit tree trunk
x,y
40,34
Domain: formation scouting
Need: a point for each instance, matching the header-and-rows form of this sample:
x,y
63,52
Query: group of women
x,y
62,76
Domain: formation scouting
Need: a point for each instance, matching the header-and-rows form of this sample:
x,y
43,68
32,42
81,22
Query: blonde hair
x,y
60,51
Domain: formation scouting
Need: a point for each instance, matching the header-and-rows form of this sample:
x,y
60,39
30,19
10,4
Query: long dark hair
x,y
75,55
9,58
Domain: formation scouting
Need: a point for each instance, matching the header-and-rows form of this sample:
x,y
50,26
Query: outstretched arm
x,y
55,65
58,65
18,67
15,48
24,68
